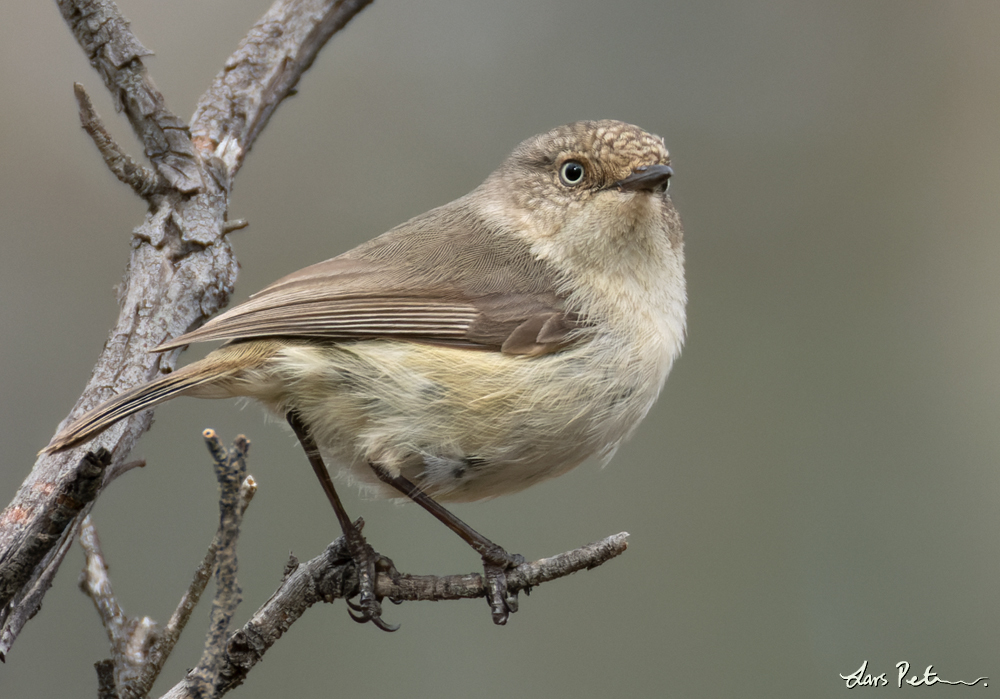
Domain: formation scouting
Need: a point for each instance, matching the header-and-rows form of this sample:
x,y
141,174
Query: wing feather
x,y
445,277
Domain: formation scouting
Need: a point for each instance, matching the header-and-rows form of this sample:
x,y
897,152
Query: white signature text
x,y
862,678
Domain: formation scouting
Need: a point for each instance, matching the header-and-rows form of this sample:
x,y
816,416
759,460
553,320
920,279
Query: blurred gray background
x,y
818,484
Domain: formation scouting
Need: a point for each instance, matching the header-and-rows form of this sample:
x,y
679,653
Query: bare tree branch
x,y
230,471
144,181
72,498
106,679
332,575
181,268
104,35
28,568
130,638
181,271
28,598
161,650
139,647
262,72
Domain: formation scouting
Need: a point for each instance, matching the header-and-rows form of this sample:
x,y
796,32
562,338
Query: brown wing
x,y
444,277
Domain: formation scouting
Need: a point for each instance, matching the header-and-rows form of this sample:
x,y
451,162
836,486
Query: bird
x,y
477,349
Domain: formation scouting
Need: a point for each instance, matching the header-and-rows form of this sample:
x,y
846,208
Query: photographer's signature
x,y
862,678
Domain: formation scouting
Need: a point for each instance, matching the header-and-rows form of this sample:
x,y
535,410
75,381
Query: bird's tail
x,y
211,377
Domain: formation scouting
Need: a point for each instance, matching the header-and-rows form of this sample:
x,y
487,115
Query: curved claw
x,y
361,618
372,613
388,628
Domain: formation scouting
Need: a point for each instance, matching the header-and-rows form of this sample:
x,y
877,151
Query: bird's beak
x,y
648,178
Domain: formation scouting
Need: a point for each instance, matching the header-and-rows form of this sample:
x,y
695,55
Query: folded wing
x,y
443,278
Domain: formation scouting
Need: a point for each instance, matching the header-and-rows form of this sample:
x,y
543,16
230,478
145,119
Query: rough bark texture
x,y
181,269
332,575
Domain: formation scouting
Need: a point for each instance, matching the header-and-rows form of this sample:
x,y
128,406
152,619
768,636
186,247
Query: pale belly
x,y
463,424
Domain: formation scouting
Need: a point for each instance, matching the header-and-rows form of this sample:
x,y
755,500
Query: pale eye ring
x,y
571,173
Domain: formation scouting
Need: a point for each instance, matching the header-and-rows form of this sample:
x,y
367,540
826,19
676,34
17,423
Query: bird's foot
x,y
496,563
367,562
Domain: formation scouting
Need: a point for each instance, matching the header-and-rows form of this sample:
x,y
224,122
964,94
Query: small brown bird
x,y
477,349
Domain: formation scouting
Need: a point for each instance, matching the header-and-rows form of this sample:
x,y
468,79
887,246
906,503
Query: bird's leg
x,y
364,556
495,559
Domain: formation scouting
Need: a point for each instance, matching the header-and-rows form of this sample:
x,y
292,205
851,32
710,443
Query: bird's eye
x,y
571,173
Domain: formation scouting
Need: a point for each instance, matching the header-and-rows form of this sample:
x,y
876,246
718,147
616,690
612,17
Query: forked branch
x,y
140,648
181,268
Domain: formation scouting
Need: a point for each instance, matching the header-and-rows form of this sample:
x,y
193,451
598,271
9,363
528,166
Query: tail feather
x,y
218,368
128,403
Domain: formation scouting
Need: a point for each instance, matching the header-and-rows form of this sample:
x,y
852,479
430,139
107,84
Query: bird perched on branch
x,y
477,349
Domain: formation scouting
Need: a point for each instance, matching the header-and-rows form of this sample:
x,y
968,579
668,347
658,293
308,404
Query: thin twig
x,y
116,54
230,471
181,269
523,577
119,469
139,648
171,632
130,639
144,181
331,576
235,225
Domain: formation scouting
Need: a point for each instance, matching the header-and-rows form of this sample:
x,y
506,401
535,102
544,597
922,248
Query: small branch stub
x,y
117,54
331,576
181,268
181,271
142,180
